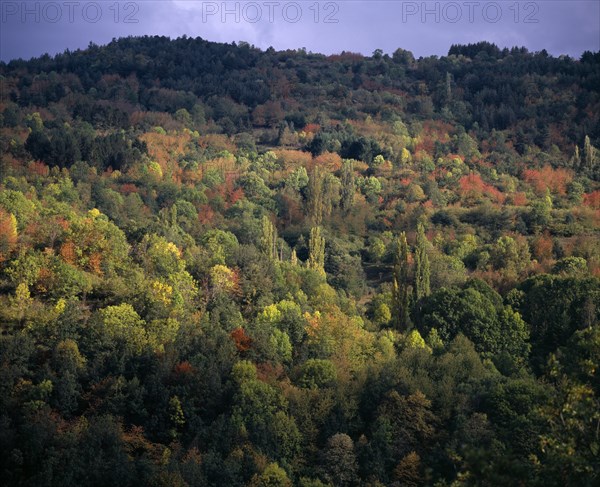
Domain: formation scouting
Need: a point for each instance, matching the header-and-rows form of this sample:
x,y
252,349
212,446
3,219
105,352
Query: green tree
x,y
556,307
372,189
477,312
339,460
316,250
272,476
317,373
575,161
315,202
572,266
589,156
268,239
121,324
511,254
570,441
220,245
298,179
348,187
400,283
422,270
541,210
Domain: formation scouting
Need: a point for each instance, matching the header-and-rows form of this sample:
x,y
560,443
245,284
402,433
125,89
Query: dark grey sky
x,y
560,26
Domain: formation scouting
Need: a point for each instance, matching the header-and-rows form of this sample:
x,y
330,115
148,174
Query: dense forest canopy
x,y
224,266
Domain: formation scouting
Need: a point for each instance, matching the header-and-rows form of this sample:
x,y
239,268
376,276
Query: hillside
x,y
224,266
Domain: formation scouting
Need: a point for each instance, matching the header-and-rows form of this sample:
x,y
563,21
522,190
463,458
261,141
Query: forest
x,y
226,266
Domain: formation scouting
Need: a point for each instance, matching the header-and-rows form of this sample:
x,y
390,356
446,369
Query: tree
x,y
339,460
372,189
575,161
255,406
331,193
407,472
220,245
511,254
572,266
569,442
404,424
556,307
422,270
315,195
348,187
316,250
268,239
8,234
298,180
477,312
122,325
317,374
400,282
589,156
223,279
541,211
272,476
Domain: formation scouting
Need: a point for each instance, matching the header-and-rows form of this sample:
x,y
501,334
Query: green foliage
x,y
570,266
316,250
477,312
400,289
315,198
121,324
340,460
371,188
422,270
348,188
268,239
556,307
272,476
219,244
200,287
317,373
298,179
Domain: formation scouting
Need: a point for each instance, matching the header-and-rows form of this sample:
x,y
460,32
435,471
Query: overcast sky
x,y
570,27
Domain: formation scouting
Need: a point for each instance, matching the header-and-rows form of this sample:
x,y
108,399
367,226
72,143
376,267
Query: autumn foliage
x,y
8,234
556,180
241,340
472,186
592,200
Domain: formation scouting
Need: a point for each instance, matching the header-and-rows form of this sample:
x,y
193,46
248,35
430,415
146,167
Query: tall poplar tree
x,y
400,291
315,195
348,187
589,156
422,270
316,250
268,239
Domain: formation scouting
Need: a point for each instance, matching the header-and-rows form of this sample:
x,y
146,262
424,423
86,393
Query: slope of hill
x,y
223,266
